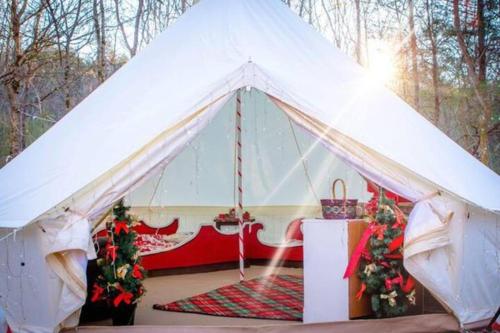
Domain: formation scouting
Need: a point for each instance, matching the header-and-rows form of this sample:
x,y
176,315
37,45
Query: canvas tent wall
x,y
286,172
140,119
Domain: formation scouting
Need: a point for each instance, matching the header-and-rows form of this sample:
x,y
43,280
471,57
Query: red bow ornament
x,y
123,296
136,272
111,251
121,225
97,292
390,282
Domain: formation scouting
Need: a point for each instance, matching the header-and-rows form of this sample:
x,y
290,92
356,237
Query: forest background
x,y
440,56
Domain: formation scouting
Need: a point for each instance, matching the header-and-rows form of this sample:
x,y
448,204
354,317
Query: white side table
x,y
326,293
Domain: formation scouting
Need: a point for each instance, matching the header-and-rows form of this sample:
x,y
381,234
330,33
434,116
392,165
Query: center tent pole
x,y
240,186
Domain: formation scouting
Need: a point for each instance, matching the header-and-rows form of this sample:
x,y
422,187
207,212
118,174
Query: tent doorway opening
x,y
188,242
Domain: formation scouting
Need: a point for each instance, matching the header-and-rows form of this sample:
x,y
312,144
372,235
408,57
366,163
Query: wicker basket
x,y
339,209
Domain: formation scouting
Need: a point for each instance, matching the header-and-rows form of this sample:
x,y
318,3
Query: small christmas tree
x,y
381,267
120,282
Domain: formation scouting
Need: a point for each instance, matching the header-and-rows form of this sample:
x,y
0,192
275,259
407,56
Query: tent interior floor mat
x,y
277,297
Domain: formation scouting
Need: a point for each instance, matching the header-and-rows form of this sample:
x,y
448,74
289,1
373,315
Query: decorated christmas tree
x,y
380,259
120,282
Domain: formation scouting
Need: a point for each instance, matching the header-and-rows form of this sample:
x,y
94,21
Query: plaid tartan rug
x,y
279,297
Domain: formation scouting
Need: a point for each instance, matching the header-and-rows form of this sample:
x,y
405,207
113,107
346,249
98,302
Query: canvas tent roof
x,y
143,115
213,44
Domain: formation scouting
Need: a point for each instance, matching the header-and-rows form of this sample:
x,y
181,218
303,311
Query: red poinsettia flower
x,y
246,216
97,292
136,272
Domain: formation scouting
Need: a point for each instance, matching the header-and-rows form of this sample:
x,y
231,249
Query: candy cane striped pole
x,y
240,187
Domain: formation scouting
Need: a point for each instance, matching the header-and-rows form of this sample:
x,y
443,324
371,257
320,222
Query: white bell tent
x,y
142,117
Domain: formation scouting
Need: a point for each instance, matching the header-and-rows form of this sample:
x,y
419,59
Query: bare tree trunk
x,y
367,53
16,128
310,12
481,48
66,78
99,30
476,81
435,70
138,16
14,85
413,49
403,58
358,31
301,8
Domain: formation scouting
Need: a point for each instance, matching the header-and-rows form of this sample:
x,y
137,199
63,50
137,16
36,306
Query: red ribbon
x,y
393,256
97,292
123,296
361,291
136,272
356,255
396,243
121,225
409,285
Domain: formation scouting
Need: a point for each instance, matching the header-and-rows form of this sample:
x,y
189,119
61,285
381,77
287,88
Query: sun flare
x,y
382,61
